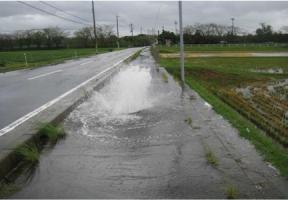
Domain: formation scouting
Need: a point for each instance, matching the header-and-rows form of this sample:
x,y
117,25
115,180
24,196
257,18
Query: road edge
x,y
27,131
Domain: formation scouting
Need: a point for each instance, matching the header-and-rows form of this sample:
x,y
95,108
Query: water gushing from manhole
x,y
116,104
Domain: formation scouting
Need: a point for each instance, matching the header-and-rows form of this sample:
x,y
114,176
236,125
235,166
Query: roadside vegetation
x,y
231,192
51,132
212,78
29,152
164,77
133,57
189,121
211,158
7,189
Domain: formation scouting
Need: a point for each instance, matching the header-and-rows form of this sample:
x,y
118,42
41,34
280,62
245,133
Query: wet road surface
x,y
23,91
130,140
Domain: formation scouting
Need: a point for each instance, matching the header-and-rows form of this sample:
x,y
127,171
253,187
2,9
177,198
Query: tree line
x,y
212,33
55,38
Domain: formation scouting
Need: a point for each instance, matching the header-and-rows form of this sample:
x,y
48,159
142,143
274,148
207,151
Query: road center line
x,y
26,117
46,74
86,62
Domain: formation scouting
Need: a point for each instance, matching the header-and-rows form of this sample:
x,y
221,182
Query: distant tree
x,y
54,36
167,35
84,37
264,30
38,38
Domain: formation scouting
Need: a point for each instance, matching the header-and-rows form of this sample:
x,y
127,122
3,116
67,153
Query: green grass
x,y
164,77
51,132
189,121
134,56
7,189
231,192
14,60
29,153
211,158
238,66
207,75
223,48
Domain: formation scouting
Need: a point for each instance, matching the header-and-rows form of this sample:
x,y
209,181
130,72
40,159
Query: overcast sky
x,y
248,15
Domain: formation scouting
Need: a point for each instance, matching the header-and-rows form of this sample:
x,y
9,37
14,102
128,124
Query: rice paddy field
x,y
250,92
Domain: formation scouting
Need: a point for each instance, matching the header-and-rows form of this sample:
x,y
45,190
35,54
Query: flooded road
x,y
142,136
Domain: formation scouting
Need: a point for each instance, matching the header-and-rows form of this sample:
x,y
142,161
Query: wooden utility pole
x,y
94,26
118,45
181,43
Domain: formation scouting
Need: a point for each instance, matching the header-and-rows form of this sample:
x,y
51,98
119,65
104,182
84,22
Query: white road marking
x,y
21,120
46,74
86,62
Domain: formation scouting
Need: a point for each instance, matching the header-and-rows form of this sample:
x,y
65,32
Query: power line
x,y
42,10
59,9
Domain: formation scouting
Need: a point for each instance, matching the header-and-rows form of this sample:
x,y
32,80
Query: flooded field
x,y
225,54
143,136
266,104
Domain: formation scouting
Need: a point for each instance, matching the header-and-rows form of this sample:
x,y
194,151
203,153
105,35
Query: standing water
x,y
132,139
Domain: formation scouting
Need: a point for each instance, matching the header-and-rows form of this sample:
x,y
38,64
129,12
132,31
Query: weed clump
x,y
29,153
7,189
189,120
53,133
165,77
231,192
211,158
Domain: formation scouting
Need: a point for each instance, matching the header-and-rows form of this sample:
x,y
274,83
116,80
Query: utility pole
x,y
141,30
232,19
118,45
176,23
163,28
94,26
181,43
131,29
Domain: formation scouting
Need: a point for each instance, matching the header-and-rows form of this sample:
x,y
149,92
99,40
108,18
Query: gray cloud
x,y
248,15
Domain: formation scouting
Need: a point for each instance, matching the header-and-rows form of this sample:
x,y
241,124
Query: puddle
x,y
269,71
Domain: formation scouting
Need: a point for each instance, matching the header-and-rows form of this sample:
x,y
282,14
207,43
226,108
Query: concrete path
x,y
144,137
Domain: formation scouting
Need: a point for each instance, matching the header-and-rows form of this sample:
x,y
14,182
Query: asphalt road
x,y
23,91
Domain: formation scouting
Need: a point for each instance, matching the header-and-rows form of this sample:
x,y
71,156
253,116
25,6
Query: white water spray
x,y
128,92
116,104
